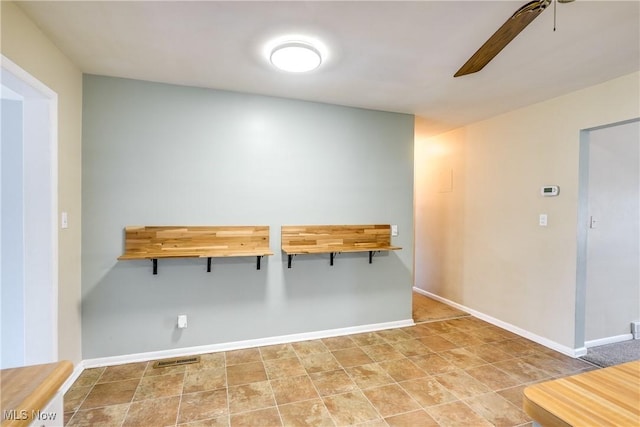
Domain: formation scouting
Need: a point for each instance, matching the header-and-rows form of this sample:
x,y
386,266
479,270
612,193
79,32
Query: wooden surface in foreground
x,y
604,397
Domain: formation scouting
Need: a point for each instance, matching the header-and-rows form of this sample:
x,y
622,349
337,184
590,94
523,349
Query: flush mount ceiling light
x,y
295,56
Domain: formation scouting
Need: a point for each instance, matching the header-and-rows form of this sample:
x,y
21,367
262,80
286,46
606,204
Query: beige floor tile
x,y
268,417
154,412
152,372
515,347
203,405
107,416
403,370
461,384
319,362
293,389
370,375
436,343
350,408
280,351
428,392
492,377
418,418
238,357
366,339
123,372
74,397
88,377
522,371
456,414
338,343
208,361
246,373
514,394
305,348
222,421
391,400
497,410
351,357
159,386
433,364
281,368
250,397
412,347
383,352
462,339
489,353
111,393
394,335
462,358
332,382
411,376
205,379
308,413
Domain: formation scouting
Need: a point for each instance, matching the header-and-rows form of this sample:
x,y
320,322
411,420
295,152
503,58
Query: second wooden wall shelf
x,y
334,239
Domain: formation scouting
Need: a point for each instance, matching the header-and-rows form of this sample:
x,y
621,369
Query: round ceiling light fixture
x,y
295,57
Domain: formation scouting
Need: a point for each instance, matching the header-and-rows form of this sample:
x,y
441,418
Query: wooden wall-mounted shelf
x,y
154,242
334,239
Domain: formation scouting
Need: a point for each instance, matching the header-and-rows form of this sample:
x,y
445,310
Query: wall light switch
x,y
182,321
64,220
543,220
394,230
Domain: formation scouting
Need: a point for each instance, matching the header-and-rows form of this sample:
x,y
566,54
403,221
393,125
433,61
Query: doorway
x,y
28,217
609,234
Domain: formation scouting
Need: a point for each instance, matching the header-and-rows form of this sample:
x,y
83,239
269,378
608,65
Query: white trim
x,y
77,370
573,352
236,345
608,340
47,95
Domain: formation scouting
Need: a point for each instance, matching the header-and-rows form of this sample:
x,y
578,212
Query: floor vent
x,y
176,362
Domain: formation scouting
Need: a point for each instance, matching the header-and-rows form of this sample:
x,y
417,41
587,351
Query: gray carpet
x,y
613,354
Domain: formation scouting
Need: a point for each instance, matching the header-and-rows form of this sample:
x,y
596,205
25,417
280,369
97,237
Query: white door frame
x,y
40,148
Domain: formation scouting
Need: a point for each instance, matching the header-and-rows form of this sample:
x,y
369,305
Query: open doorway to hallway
x,y
28,217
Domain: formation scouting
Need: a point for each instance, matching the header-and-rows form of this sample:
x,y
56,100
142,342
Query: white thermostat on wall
x,y
550,190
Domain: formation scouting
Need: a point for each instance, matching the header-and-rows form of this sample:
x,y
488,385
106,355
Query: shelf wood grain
x,y
151,242
604,397
335,239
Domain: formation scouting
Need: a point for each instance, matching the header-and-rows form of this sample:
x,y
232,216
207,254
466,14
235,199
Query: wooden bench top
x,y
316,239
29,389
604,397
152,242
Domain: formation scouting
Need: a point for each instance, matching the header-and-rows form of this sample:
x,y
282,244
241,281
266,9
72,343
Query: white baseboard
x,y
608,340
236,345
572,352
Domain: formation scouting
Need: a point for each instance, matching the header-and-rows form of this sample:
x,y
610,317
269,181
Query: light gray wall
x,y
156,154
12,277
613,249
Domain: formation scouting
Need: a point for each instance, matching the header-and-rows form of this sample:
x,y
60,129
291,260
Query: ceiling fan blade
x,y
507,32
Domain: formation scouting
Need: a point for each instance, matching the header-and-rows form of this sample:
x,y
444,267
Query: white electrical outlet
x,y
182,321
394,230
542,221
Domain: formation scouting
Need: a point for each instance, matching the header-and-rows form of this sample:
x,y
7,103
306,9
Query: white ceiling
x,y
386,55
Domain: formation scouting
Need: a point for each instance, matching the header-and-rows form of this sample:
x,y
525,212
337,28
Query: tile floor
x,y
458,372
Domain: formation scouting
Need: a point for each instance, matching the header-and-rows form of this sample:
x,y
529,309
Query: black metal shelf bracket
x,y
155,265
332,256
289,259
208,264
258,262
